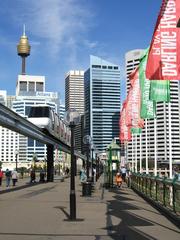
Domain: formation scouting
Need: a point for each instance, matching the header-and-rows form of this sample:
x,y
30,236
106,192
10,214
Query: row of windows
x,y
105,67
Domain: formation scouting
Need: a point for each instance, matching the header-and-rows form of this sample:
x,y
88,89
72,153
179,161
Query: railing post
x,y
174,195
164,192
156,188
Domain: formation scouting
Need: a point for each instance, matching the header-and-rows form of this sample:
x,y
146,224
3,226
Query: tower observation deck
x,y
23,50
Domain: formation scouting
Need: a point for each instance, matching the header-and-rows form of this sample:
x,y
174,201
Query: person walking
x,y
1,176
8,177
14,176
83,176
118,179
33,176
123,173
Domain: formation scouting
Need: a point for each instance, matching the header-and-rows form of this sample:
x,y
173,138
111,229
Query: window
x,y
96,66
23,86
30,142
39,86
109,67
31,86
104,67
116,68
39,112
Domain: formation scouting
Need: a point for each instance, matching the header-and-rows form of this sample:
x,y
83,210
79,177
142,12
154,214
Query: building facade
x,y
102,102
74,99
164,112
30,91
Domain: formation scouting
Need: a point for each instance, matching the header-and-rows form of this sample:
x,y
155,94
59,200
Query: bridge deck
x,y
40,213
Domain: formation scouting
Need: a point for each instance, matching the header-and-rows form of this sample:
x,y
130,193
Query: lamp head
x,y
72,117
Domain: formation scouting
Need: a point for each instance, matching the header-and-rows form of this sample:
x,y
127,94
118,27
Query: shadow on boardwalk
x,y
124,210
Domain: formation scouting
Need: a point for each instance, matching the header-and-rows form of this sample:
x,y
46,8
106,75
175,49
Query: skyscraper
x,y
74,98
74,90
102,102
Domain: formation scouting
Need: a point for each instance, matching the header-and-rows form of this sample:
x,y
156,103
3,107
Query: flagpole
x,y
140,160
136,153
155,147
132,152
170,143
147,170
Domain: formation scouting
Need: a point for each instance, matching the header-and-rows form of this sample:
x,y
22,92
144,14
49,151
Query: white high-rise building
x,y
162,127
74,90
74,98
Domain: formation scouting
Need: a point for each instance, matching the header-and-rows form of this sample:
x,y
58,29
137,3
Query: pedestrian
x,y
14,176
42,176
123,173
1,176
67,171
33,176
8,177
118,180
83,176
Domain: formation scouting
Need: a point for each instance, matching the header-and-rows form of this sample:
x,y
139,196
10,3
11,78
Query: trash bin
x,y
86,189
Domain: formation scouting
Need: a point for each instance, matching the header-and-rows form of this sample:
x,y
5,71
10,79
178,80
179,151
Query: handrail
x,y
164,191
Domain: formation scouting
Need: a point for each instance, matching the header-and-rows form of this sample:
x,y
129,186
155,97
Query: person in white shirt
x,y
14,176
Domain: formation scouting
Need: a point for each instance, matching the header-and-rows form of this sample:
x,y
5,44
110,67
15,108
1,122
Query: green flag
x,y
136,131
148,107
160,90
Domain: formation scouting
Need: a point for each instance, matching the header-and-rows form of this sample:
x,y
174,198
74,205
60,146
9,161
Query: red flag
x,y
137,122
128,118
164,54
125,134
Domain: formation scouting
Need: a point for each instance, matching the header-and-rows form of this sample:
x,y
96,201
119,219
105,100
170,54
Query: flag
x,y
164,54
147,106
125,134
128,109
160,91
137,121
136,131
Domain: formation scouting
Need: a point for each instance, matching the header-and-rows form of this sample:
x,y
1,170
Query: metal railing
x,y
164,191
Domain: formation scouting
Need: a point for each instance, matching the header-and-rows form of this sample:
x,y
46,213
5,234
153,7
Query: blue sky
x,y
63,33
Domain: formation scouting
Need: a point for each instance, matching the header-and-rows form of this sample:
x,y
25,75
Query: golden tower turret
x,y
23,49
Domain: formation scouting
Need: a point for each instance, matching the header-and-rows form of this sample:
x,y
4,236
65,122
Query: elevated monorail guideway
x,y
13,121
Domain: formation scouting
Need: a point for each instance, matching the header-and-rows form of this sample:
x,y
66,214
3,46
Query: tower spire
x,y
24,30
23,49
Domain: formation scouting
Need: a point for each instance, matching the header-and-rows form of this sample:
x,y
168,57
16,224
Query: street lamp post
x,y
92,170
87,141
16,154
72,118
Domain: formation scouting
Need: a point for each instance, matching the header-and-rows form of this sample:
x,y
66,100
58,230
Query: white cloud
x,y
55,21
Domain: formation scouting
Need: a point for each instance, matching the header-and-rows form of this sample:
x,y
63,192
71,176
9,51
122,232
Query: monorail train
x,y
45,118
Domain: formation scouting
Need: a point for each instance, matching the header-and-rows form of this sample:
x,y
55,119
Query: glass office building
x,y
102,102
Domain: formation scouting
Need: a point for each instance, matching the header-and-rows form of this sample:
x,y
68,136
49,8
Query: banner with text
x,y
164,54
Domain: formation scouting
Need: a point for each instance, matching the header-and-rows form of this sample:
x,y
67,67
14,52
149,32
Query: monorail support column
x,y
50,163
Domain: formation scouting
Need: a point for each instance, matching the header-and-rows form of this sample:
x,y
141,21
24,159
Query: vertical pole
x,y
136,153
140,160
97,168
147,168
87,167
155,147
16,162
50,163
72,185
23,65
132,152
92,172
110,163
170,143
